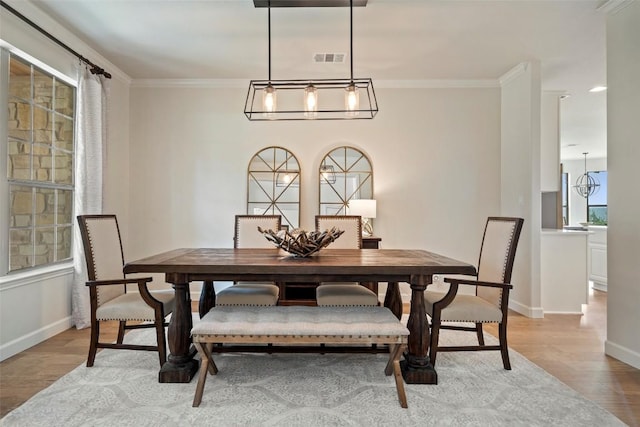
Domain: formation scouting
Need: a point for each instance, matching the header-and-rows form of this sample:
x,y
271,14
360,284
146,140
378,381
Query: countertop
x,y
565,232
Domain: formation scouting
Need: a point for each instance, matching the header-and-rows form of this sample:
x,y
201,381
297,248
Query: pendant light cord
x,y
351,36
269,29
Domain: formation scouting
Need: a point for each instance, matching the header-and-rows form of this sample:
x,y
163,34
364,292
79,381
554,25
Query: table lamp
x,y
366,208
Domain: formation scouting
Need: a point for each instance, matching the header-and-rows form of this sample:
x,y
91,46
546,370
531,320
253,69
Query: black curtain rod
x,y
94,68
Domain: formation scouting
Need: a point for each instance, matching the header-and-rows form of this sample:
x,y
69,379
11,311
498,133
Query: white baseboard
x,y
623,354
36,337
600,286
532,312
536,312
563,312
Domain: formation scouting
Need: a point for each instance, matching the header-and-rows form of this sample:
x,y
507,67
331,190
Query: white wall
x,y
520,180
435,156
550,141
177,162
623,239
33,308
117,165
577,203
37,306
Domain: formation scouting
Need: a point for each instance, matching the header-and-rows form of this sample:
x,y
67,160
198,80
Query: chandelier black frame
x,y
586,184
363,104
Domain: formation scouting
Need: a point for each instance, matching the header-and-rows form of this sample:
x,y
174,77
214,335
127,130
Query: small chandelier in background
x,y
328,173
287,177
322,99
586,184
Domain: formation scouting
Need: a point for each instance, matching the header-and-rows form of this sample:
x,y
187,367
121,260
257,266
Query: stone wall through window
x,y
40,130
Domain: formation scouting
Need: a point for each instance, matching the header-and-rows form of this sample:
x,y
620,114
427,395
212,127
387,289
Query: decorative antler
x,y
299,242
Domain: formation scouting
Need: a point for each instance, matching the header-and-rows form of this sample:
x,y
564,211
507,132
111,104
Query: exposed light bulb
x,y
269,101
352,100
310,101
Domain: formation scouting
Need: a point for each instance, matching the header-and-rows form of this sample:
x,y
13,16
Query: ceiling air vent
x,y
329,57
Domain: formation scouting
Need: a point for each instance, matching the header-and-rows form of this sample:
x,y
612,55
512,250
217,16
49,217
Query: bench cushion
x,y
300,320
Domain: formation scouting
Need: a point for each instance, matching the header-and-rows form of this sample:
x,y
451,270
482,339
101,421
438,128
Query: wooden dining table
x,y
413,266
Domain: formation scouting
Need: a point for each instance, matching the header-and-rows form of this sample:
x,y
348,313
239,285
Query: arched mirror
x,y
345,173
273,185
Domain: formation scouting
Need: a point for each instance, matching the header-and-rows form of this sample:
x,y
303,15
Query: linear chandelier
x,y
311,99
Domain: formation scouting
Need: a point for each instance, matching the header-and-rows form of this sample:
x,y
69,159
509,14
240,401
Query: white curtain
x,y
91,126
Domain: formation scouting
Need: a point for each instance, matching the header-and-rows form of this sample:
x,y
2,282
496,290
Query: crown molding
x,y
192,83
436,84
558,93
613,6
513,73
384,84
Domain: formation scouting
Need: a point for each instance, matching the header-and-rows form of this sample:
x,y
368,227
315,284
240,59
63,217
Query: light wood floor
x,y
570,347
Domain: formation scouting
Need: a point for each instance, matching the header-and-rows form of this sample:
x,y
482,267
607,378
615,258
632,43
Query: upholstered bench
x,y
299,325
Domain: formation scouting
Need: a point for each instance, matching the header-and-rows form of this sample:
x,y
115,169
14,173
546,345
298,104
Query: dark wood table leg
x,y
180,366
207,298
393,299
416,368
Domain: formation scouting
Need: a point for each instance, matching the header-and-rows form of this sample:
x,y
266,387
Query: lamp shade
x,y
366,208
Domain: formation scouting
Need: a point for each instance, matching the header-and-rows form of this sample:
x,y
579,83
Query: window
x,y
39,175
597,202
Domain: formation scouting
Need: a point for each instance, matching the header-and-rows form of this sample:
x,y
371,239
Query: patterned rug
x,y
309,390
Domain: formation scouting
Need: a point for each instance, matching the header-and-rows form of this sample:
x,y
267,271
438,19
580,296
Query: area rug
x,y
309,390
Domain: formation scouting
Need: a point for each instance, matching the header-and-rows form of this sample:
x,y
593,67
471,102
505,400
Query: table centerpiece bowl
x,y
300,243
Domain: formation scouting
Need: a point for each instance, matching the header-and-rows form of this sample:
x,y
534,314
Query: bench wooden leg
x,y
394,364
402,396
207,365
394,353
213,369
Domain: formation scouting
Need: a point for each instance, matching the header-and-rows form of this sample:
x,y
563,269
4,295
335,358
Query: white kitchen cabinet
x,y
563,271
598,257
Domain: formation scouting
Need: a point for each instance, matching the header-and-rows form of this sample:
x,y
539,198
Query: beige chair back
x,y
103,252
350,224
246,230
497,255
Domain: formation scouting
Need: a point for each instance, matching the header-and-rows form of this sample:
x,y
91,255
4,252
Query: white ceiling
x,y
394,40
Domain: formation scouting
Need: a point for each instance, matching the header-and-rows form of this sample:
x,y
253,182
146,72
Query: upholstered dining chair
x,y
108,289
246,235
491,299
339,293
